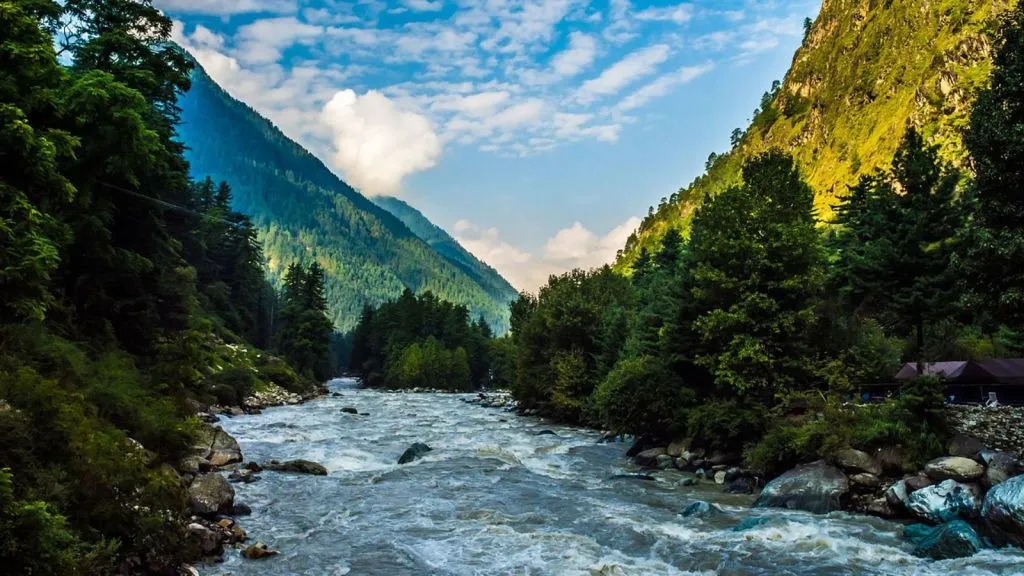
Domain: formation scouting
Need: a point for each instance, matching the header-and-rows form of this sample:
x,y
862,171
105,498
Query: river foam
x,y
495,497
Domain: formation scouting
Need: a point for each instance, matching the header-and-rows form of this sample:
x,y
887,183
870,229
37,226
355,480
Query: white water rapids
x,y
493,497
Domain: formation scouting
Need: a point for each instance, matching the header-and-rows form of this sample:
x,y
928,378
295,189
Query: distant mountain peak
x,y
304,212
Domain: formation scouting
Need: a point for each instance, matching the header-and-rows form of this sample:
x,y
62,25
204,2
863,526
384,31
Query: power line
x,y
167,204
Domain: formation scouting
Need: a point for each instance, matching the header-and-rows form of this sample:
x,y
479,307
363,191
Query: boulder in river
x,y
664,462
213,447
545,433
649,458
642,442
741,485
259,551
699,509
676,448
241,510
954,539
866,481
954,468
856,461
890,458
999,466
817,487
1003,512
349,410
945,502
414,452
206,540
297,467
720,477
210,494
964,446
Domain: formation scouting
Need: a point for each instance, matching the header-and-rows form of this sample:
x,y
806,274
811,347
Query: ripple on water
x,y
496,498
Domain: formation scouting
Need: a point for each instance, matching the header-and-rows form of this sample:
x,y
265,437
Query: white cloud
x,y
227,7
424,5
661,86
477,105
377,144
576,57
263,40
572,247
680,14
636,65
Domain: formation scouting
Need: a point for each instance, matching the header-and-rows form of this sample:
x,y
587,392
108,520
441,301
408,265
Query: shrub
x,y
727,425
231,385
640,395
280,373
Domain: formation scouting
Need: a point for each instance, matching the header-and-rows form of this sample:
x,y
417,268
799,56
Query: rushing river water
x,y
496,498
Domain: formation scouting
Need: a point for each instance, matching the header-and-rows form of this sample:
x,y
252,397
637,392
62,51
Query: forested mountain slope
x,y
303,212
867,69
449,249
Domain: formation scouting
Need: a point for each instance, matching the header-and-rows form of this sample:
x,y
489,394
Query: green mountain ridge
x,y
867,69
449,248
304,212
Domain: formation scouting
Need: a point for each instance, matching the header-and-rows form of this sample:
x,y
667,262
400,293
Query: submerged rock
x,y
816,487
643,477
699,509
210,494
297,467
258,551
1003,512
954,468
945,502
241,510
349,410
545,433
954,539
414,452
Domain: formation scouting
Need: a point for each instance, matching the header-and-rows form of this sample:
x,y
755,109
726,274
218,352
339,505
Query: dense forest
x,y
132,294
862,74
752,334
303,211
423,342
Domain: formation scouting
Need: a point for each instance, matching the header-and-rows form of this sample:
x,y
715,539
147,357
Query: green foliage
x,y
859,79
429,365
34,539
727,425
994,239
756,274
641,396
304,336
232,385
421,341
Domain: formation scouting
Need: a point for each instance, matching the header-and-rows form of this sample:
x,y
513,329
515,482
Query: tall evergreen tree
x,y
994,246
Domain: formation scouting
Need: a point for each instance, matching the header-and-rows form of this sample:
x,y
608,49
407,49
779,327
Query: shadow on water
x,y
494,497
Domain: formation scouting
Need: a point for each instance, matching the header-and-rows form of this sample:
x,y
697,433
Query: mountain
x,y
304,212
485,276
866,70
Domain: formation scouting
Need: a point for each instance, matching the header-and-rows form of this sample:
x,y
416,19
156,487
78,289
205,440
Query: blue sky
x,y
537,132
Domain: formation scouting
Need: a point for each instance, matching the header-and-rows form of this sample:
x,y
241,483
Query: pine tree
x,y
994,243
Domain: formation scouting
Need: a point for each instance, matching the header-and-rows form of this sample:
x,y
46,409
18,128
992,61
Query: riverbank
x,y
501,493
214,525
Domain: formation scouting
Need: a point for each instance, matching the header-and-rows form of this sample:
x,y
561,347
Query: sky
x,y
536,132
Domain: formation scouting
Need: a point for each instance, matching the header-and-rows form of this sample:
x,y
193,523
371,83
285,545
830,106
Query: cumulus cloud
x,y
227,7
263,40
572,247
634,66
376,144
424,5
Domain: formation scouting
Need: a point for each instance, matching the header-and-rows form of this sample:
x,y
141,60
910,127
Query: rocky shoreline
x,y
954,507
214,464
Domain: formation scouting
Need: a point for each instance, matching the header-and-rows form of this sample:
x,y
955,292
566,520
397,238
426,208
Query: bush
x,y
727,425
232,385
280,373
33,538
640,396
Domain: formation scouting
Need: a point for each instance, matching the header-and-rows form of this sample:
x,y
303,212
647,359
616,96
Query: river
x,y
493,497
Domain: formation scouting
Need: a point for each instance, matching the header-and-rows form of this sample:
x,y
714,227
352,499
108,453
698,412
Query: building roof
x,y
995,371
